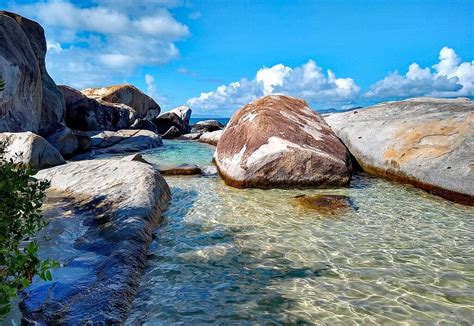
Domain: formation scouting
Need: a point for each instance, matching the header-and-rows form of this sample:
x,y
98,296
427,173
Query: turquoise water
x,y
228,256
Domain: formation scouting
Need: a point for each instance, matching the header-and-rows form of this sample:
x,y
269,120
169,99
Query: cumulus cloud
x,y
106,41
448,78
307,81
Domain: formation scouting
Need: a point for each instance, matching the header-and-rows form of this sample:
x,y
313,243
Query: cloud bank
x,y
107,38
450,77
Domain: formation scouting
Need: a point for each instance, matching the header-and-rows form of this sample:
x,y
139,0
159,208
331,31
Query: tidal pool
x,y
228,256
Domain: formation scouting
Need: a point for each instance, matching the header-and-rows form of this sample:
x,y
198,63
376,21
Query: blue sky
x,y
218,55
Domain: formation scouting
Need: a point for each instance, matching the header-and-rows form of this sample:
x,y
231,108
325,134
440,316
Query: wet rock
x,y
30,149
209,170
324,204
169,119
144,106
122,141
212,137
426,142
86,114
172,133
192,136
278,141
113,207
206,126
144,125
184,112
183,169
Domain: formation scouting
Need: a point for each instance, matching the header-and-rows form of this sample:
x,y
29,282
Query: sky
x,y
216,56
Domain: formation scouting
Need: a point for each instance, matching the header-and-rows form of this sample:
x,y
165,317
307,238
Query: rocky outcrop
x,y
102,214
21,100
193,136
206,126
278,141
122,141
212,137
169,119
87,114
184,112
30,149
144,106
35,102
172,133
65,141
423,141
144,124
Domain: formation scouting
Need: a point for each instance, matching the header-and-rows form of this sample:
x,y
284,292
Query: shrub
x,y
21,198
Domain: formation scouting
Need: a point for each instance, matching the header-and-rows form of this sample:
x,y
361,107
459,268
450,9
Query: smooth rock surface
x,y
206,126
278,141
21,100
87,114
324,204
191,136
102,217
30,149
65,141
144,124
423,141
212,137
184,112
144,105
183,169
169,119
122,141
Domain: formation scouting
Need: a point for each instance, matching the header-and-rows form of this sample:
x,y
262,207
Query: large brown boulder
x,y
426,142
20,101
87,114
52,106
278,141
144,106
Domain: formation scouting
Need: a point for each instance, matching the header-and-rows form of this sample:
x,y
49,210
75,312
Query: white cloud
x,y
307,81
105,42
448,78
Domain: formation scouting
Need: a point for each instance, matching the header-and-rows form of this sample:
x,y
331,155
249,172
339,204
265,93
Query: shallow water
x,y
228,256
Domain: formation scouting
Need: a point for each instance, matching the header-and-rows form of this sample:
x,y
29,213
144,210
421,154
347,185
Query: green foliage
x,y
21,198
2,85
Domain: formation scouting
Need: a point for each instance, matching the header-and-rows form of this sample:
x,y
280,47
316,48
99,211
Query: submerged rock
x,y
426,142
87,114
102,244
278,141
30,149
324,204
144,106
206,126
122,141
183,169
212,137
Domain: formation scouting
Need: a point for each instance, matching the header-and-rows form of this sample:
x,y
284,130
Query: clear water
x,y
228,256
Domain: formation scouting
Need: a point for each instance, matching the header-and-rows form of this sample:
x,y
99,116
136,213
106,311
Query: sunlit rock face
x,y
87,114
101,215
31,100
184,112
206,126
30,149
144,105
212,137
278,141
423,141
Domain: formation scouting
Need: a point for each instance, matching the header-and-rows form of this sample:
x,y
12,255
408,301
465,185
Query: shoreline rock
x,y
425,142
279,142
113,206
211,138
